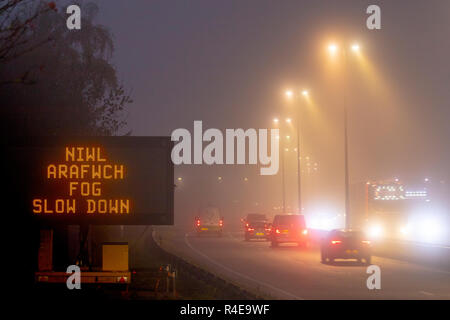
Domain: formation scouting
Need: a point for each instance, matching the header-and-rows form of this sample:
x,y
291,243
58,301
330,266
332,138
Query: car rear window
x,y
290,221
347,234
256,217
258,224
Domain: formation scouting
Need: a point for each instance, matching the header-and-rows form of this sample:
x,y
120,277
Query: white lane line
x,y
238,273
426,293
426,245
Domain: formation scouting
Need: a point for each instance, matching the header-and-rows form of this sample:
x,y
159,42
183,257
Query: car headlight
x,y
375,231
404,230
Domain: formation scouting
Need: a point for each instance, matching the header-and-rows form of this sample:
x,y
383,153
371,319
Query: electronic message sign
x,y
95,180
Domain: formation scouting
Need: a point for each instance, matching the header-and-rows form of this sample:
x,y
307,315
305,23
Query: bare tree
x,y
17,23
74,92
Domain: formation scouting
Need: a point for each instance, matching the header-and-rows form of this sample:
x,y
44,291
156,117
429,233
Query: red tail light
x,y
221,223
246,225
250,229
366,241
198,223
277,231
268,229
336,241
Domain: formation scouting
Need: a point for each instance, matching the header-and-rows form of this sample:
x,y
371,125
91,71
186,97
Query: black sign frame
x,y
21,191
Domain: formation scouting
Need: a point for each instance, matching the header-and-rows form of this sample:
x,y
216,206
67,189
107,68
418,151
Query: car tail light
x,y
305,232
336,241
366,241
250,229
268,229
221,223
198,223
246,225
122,279
277,231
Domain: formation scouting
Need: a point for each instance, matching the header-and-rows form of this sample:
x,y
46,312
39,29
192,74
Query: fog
x,y
228,64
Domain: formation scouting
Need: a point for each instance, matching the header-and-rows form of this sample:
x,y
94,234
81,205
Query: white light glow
x,y
375,231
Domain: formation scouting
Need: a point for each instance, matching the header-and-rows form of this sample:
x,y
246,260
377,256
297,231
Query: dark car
x,y
209,221
346,244
257,230
289,229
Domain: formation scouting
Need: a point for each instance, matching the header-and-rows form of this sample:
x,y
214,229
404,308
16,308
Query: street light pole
x,y
347,191
282,175
346,169
299,185
333,50
283,189
290,94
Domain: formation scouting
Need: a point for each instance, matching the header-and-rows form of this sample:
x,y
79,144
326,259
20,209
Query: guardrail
x,y
226,288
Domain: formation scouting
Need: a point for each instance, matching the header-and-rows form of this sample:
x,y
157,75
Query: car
x,y
289,228
209,222
346,244
257,230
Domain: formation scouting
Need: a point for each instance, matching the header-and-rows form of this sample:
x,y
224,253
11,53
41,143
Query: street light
x,y
333,50
355,47
283,192
289,93
305,94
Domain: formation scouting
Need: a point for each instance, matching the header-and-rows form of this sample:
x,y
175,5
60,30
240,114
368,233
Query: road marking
x,y
238,273
426,293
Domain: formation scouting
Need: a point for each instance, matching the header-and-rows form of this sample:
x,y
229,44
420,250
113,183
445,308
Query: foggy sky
x,y
227,63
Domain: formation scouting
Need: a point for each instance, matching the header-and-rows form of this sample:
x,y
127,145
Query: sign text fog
x,y
83,172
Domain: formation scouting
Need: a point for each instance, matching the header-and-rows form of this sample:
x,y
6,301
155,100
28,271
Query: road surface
x,y
288,272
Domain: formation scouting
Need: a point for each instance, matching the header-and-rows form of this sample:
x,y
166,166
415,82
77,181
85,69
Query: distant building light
x,y
416,194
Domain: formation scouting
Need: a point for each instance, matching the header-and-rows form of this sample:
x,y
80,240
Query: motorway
x,y
289,272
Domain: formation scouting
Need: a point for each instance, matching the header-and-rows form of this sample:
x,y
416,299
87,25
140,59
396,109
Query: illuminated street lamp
x,y
289,93
283,193
333,50
305,95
